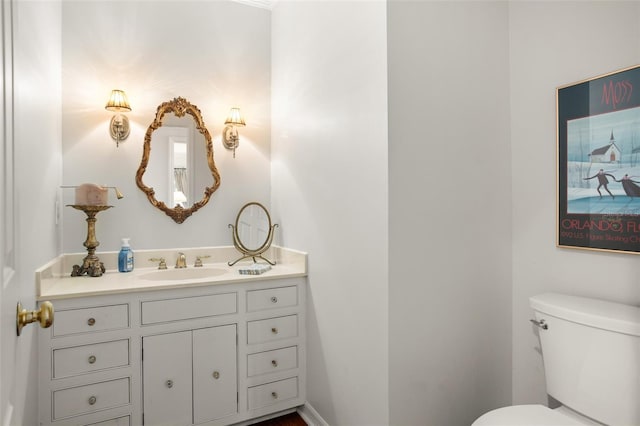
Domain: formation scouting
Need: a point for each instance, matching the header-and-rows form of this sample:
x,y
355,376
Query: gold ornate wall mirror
x,y
181,175
253,232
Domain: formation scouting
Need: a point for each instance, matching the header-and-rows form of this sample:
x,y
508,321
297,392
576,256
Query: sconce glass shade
x,y
235,118
118,102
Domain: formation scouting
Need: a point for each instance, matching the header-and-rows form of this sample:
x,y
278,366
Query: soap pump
x,y
125,257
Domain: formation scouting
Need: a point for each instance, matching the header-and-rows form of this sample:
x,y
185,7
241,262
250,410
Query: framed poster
x,y
598,195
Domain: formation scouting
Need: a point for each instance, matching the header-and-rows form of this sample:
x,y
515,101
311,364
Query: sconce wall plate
x,y
230,137
119,128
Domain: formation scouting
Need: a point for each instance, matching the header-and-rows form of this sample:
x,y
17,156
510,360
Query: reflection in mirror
x,y
181,169
253,226
253,232
168,171
178,165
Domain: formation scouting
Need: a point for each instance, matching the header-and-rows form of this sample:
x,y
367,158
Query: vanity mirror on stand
x,y
181,175
253,232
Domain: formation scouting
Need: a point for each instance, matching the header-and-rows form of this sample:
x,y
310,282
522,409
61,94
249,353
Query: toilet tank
x,y
591,354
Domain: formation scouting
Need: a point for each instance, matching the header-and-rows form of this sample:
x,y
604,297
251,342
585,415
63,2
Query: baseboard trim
x,y
311,416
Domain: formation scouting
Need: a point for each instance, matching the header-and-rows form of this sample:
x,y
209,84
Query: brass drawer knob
x,y
274,299
92,400
274,362
274,395
274,330
216,375
169,384
92,359
91,322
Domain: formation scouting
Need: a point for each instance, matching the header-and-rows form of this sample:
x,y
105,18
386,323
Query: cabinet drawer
x,y
272,361
188,308
272,393
87,399
271,329
258,300
120,421
88,358
85,320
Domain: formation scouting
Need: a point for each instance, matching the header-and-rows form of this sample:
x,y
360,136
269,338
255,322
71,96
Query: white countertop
x,y
54,280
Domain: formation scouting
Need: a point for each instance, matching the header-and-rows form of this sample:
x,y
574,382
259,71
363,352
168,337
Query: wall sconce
x,y
119,126
230,133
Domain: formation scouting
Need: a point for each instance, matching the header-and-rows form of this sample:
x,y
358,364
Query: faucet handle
x,y
199,260
163,263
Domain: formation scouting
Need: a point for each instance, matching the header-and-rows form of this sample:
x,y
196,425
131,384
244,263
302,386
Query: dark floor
x,y
292,419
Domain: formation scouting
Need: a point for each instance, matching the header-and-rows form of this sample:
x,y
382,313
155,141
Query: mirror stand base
x,y
253,256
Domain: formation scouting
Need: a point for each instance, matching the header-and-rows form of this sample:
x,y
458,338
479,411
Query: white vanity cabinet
x,y
205,354
190,370
86,363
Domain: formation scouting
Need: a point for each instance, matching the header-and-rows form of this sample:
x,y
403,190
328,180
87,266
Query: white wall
x,y
216,54
470,81
449,211
38,170
552,44
329,193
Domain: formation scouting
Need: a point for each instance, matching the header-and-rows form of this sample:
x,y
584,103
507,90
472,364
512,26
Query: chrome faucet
x,y
181,261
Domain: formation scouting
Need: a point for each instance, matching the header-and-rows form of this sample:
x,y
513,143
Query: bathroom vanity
x,y
208,346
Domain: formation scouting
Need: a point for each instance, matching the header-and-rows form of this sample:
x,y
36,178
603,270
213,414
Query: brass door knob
x,y
44,316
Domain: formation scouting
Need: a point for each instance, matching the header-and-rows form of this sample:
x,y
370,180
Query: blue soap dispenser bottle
x,y
125,257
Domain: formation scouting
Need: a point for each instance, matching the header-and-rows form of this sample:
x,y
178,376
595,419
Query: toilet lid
x,y
525,415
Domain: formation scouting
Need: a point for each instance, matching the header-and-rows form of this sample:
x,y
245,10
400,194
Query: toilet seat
x,y
527,415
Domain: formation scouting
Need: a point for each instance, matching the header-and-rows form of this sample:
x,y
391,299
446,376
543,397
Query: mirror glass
x,y
253,232
177,171
253,224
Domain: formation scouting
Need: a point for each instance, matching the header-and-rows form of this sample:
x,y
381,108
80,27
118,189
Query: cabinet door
x,y
166,379
214,373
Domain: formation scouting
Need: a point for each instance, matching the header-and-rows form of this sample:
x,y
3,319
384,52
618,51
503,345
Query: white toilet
x,y
591,353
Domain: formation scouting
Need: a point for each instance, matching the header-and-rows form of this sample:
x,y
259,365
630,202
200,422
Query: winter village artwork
x,y
599,163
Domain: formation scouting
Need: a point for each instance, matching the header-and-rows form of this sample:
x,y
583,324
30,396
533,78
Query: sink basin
x,y
183,274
